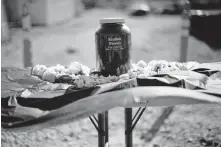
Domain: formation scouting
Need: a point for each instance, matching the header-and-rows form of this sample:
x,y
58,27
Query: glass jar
x,y
113,47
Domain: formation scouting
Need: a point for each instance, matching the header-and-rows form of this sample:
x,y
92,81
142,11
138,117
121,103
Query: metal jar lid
x,y
111,20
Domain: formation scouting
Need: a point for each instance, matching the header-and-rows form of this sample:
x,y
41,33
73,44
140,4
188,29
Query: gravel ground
x,y
153,37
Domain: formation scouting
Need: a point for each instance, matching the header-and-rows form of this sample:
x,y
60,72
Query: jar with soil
x,y
113,47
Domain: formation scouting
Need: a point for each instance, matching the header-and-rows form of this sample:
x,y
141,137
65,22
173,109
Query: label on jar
x,y
113,53
115,42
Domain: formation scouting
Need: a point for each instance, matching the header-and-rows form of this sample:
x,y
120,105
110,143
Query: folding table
x,y
99,101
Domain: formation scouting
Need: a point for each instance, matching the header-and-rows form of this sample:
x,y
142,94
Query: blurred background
x,y
66,28
61,31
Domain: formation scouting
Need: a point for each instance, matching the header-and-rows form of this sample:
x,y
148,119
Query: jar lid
x,y
112,20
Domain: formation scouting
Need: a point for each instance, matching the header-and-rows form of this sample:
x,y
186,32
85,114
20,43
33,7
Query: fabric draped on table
x,y
27,100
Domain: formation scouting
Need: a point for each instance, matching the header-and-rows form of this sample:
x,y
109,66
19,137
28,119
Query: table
x,y
71,105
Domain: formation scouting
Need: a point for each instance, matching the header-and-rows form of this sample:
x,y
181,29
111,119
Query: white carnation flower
x,y
85,70
38,70
79,83
74,68
49,75
141,64
58,68
157,65
87,81
147,71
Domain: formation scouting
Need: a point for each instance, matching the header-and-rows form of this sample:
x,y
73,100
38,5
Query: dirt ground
x,y
153,37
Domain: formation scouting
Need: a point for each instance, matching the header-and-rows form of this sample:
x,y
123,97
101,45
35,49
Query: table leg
x,y
128,126
106,129
101,137
103,127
